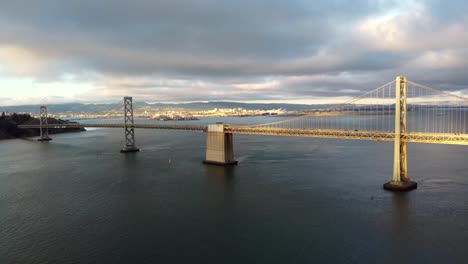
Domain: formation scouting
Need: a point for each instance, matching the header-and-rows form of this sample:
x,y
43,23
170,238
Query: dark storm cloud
x,y
221,43
269,31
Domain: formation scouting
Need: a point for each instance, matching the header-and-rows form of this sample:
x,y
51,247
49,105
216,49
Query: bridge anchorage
x,y
43,124
129,131
400,181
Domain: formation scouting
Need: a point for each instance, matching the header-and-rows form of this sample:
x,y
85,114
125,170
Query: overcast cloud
x,y
244,50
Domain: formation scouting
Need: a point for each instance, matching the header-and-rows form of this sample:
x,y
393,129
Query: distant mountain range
x,y
142,106
80,108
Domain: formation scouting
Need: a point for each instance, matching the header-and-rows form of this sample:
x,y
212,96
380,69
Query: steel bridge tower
x,y
400,180
43,124
129,132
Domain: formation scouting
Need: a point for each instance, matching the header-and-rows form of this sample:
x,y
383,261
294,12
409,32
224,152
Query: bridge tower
x,y
129,132
43,124
219,146
400,180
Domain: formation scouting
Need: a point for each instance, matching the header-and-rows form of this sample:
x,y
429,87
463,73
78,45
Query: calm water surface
x,y
290,200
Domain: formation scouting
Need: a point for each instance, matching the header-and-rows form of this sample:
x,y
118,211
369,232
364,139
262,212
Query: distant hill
x,y
139,106
9,126
248,106
79,108
61,108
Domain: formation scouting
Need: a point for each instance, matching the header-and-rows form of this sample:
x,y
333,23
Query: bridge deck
x,y
413,137
144,126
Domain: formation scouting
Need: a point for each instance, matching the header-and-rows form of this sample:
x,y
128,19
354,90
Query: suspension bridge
x,y
401,111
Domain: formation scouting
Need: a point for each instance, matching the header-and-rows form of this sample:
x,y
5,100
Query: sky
x,y
295,51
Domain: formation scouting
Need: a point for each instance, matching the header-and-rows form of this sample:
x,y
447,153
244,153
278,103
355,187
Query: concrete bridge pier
x,y
400,180
219,146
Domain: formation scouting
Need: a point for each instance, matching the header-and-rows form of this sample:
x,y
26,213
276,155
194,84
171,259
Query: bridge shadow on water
x,y
221,178
221,183
400,213
400,228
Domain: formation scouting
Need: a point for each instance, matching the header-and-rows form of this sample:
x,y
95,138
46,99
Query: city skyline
x,y
267,51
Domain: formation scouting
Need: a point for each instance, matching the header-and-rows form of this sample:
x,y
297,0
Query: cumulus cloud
x,y
412,31
181,50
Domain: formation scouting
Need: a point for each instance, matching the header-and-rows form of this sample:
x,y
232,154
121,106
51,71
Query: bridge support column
x,y
129,132
400,180
219,146
43,124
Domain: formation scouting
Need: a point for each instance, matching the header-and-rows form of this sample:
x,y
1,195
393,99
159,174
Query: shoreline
x,y
9,126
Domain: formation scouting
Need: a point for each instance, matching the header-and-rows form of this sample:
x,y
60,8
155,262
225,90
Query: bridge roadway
x,y
413,137
144,126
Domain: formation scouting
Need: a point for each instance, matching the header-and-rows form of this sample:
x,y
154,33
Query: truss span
x,y
412,137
